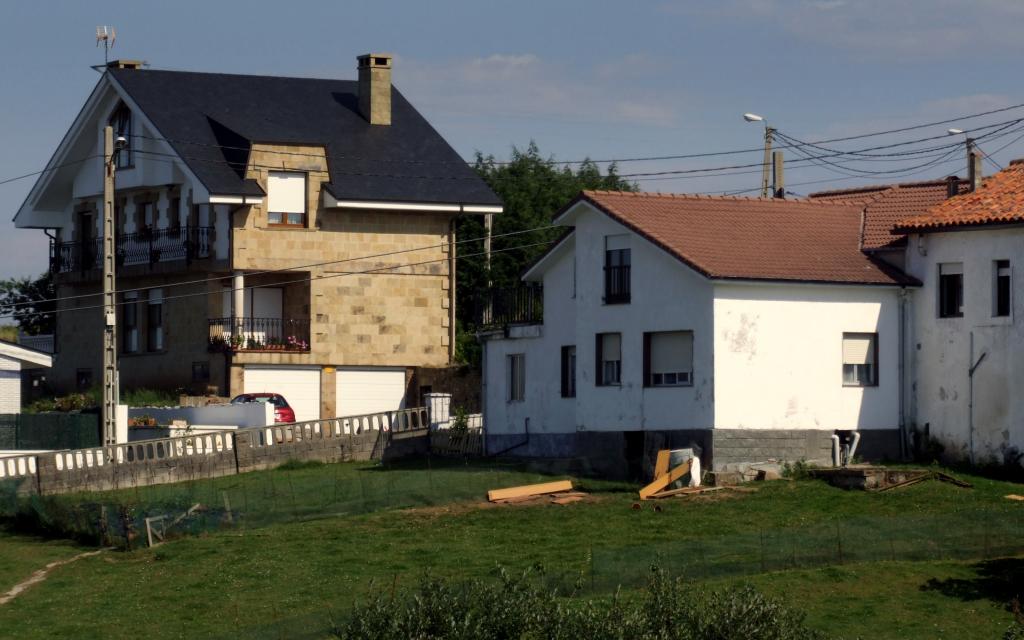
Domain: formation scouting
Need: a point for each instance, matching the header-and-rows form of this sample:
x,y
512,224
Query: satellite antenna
x,y
106,35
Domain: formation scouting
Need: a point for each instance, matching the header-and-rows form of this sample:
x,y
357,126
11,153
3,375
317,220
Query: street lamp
x,y
768,131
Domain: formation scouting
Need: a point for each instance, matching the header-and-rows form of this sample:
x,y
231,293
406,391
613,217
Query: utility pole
x,y
778,175
768,131
110,382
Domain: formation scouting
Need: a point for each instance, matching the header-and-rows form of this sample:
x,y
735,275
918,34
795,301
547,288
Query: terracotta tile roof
x,y
885,205
752,238
1000,200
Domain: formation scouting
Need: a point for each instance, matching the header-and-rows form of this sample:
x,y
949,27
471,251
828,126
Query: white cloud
x,y
528,86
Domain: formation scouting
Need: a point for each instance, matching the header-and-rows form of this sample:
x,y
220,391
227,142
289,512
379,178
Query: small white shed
x,y
13,359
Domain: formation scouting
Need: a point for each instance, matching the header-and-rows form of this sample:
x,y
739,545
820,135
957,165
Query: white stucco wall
x,y
778,356
10,385
666,296
941,346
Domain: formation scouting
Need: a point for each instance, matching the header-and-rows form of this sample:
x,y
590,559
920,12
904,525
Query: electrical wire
x,y
48,169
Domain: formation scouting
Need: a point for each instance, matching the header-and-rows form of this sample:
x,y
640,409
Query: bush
x,y
799,470
460,423
520,607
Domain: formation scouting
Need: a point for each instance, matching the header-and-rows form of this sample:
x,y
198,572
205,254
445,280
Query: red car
x,y
282,410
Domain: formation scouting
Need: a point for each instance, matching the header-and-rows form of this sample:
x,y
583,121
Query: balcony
x,y
500,308
259,335
139,248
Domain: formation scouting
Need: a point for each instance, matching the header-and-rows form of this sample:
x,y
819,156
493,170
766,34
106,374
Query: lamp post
x,y
768,134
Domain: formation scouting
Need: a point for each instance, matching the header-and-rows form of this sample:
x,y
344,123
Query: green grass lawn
x,y
307,542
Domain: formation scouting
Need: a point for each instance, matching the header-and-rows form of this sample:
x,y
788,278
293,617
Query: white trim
x,y
234,200
331,202
30,356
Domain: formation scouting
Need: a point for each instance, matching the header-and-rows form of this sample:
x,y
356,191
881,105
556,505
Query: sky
x,y
581,78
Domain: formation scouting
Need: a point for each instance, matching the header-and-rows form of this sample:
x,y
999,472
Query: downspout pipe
x,y
835,450
904,445
853,447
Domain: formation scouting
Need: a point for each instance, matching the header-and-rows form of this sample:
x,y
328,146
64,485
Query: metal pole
x,y
768,131
110,381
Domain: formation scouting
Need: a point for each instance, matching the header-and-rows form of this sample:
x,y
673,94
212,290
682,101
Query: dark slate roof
x,y
208,116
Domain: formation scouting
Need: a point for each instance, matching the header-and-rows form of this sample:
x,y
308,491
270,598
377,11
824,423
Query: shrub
x,y
799,470
520,607
460,424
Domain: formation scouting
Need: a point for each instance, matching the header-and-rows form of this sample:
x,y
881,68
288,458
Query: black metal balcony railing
x,y
148,246
259,334
504,307
616,284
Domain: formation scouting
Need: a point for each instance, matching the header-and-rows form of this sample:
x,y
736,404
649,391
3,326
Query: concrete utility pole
x,y
768,134
110,382
778,175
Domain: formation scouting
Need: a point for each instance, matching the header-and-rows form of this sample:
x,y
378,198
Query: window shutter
x,y
951,269
647,359
613,346
611,243
672,351
286,192
599,357
858,349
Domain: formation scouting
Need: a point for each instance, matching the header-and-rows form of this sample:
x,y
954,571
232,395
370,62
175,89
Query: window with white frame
x,y
951,290
860,359
121,122
569,371
286,198
155,320
609,359
668,359
516,373
1002,299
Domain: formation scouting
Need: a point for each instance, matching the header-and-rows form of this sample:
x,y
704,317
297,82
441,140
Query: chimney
x,y
973,165
952,186
125,64
375,87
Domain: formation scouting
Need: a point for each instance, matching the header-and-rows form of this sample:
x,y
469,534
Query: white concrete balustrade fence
x,y
194,448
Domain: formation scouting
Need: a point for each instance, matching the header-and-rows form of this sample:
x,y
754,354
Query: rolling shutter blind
x,y
612,348
951,269
858,348
286,192
671,351
611,243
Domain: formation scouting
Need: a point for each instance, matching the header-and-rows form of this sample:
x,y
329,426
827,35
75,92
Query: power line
x,y
48,169
300,280
280,270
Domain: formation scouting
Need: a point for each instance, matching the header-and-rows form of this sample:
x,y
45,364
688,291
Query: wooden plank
x,y
685,491
661,465
1014,496
665,480
529,490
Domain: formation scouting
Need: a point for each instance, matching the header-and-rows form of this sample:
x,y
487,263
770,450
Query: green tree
x,y
30,303
533,189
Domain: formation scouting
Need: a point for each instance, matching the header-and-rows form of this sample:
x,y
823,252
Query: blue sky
x,y
598,79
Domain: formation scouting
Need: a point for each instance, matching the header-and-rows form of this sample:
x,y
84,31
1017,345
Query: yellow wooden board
x,y
529,490
661,465
665,480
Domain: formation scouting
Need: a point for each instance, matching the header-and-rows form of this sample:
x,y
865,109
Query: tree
x,y
30,302
533,189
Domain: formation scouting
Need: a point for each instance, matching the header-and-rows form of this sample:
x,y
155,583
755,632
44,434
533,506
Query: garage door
x,y
364,390
300,386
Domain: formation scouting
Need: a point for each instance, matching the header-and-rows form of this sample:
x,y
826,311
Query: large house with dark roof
x,y
273,234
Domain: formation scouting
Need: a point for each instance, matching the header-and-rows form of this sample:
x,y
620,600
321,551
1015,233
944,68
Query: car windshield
x,y
275,400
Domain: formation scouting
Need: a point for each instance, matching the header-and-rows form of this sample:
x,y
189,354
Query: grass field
x,y
296,555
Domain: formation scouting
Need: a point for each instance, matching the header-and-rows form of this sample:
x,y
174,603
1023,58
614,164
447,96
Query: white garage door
x,y
300,386
363,390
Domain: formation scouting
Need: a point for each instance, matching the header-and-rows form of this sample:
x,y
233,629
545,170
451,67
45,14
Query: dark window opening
x,y
609,359
200,372
83,379
1003,288
616,276
569,371
951,291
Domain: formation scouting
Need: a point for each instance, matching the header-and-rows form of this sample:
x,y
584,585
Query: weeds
x,y
799,470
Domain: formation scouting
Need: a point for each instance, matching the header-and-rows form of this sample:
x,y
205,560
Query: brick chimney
x,y
375,87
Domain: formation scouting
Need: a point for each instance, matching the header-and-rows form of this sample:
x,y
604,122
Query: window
x,y
83,379
668,359
516,364
616,269
860,357
951,290
1001,288
569,371
609,359
286,198
174,213
131,322
155,320
121,121
200,372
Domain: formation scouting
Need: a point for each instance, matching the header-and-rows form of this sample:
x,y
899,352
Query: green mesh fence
x,y
34,431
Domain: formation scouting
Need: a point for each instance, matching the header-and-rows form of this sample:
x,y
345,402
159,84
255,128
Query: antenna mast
x,y
106,35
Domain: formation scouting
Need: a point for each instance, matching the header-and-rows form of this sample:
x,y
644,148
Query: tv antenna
x,y
106,35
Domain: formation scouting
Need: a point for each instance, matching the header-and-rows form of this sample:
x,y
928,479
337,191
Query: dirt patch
x,y
458,508
42,574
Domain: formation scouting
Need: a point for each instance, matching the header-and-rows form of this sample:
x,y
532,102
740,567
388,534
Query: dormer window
x,y
121,121
286,199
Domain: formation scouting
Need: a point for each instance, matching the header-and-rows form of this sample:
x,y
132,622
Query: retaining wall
x,y
195,457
